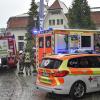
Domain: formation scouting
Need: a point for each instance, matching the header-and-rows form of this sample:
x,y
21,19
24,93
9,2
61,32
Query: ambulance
x,y
73,74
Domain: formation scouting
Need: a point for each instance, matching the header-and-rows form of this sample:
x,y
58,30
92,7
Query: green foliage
x,y
79,15
32,14
30,41
29,45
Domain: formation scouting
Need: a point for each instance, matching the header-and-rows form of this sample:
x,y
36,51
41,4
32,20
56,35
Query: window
x,y
58,22
48,42
61,21
53,22
49,22
83,62
50,63
20,37
80,62
94,61
85,41
20,45
73,62
41,42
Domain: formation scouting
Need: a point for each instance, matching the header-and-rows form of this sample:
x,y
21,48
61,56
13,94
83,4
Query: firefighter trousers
x,y
27,68
21,67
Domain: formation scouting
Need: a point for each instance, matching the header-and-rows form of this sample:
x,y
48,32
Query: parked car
x,y
73,74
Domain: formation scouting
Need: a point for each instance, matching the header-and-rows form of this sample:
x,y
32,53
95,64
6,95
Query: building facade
x,y
55,17
17,26
95,16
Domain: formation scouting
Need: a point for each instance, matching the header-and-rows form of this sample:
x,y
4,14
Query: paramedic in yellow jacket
x,y
27,62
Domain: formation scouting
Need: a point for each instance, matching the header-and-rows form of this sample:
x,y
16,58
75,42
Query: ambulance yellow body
x,y
74,74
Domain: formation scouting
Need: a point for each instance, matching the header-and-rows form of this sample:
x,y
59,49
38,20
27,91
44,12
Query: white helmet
x,y
20,52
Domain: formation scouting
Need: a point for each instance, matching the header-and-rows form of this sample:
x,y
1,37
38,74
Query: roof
x,y
22,15
93,9
59,5
55,5
95,16
17,22
69,56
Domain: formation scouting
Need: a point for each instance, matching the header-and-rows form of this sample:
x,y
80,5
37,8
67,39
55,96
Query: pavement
x,y
22,87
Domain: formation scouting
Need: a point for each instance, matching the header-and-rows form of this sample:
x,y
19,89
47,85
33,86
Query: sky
x,y
10,8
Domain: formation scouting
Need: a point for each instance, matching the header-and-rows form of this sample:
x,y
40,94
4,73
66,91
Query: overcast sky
x,y
9,8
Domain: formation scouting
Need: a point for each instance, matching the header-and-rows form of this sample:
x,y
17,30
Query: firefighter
x,y
27,61
21,62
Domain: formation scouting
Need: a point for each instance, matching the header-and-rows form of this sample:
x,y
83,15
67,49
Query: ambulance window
x,y
86,41
73,62
41,42
83,62
94,61
98,61
48,41
50,63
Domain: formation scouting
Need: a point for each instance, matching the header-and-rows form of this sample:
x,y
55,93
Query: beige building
x,y
55,17
17,26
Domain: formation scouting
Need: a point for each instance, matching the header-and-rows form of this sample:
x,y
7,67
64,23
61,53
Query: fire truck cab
x,y
7,52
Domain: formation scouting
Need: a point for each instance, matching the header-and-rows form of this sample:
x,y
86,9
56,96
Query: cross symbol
x,y
90,78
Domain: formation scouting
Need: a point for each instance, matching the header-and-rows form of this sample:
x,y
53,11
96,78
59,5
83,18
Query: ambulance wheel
x,y
78,90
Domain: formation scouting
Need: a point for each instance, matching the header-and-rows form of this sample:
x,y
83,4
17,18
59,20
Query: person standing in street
x,y
27,61
21,62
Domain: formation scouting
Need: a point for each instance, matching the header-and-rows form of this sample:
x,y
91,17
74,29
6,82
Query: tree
x,y
30,39
32,15
79,15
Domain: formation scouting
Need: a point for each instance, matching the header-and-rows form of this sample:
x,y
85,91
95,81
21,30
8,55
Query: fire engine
x,y
7,51
57,41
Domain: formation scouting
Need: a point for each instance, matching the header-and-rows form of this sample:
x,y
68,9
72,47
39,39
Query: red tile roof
x,y
55,5
17,22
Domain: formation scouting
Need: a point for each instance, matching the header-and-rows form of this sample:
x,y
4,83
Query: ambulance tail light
x,y
40,73
60,73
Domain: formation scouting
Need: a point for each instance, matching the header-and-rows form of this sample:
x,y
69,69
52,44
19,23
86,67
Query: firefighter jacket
x,y
27,57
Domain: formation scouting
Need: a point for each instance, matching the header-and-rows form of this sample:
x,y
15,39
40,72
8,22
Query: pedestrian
x,y
27,61
21,62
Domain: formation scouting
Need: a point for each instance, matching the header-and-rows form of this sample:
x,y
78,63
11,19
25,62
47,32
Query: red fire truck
x,y
7,52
